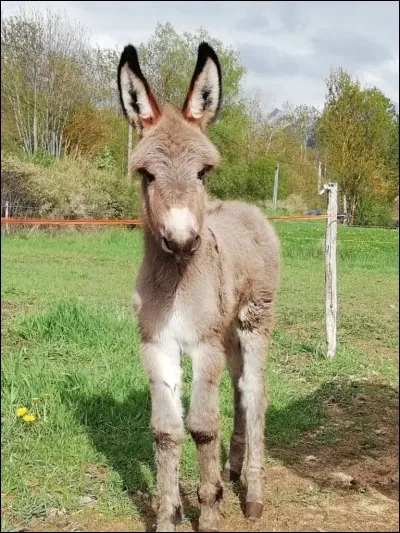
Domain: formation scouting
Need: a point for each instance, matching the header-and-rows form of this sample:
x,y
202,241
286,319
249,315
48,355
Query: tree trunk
x,y
35,125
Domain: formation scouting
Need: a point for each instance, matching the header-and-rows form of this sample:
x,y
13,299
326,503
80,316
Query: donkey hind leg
x,y
237,448
163,367
252,387
203,424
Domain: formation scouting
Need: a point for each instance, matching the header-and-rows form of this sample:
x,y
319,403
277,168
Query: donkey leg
x,y
163,367
252,386
237,448
203,424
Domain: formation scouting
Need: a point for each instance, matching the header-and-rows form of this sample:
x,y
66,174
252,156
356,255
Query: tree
x,y
356,134
43,60
168,60
301,121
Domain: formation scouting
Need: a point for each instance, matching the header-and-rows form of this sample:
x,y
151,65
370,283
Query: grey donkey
x,y
206,287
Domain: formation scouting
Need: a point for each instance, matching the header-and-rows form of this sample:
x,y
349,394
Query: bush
x,y
372,211
294,203
104,159
246,180
69,188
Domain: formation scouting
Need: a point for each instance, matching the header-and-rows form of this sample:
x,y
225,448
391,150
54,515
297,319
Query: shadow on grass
x,y
348,427
343,426
121,432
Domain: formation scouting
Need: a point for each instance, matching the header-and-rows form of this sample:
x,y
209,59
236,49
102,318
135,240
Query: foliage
x,y
42,87
168,60
252,180
104,159
61,102
372,212
357,133
70,188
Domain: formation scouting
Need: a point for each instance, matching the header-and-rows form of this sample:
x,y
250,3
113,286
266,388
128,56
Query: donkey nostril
x,y
196,244
183,247
167,245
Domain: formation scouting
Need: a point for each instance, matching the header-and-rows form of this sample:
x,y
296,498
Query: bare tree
x,y
43,60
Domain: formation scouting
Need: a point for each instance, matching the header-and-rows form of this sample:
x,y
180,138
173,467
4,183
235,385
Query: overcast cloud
x,y
288,48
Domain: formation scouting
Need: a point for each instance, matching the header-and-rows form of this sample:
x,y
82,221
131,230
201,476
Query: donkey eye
x,y
202,173
148,176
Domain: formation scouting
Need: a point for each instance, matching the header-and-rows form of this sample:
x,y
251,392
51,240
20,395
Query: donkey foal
x,y
206,287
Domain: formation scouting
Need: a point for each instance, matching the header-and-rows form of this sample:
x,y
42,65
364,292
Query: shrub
x,y
374,211
246,180
69,188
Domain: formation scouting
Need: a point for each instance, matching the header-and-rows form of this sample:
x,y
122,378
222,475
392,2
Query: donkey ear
x,y
203,99
137,101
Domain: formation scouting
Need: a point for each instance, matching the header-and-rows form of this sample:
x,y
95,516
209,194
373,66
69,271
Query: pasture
x,y
70,356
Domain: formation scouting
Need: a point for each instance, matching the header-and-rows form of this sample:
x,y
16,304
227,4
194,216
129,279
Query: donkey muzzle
x,y
181,248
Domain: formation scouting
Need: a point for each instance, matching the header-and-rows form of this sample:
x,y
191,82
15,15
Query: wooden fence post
x,y
275,194
345,210
330,269
319,176
7,214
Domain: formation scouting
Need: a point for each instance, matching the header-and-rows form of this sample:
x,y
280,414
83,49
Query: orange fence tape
x,y
118,222
68,222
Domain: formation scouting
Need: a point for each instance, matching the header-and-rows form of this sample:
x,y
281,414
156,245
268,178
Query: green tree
x,y
356,134
168,60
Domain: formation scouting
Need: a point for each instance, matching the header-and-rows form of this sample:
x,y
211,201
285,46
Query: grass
x,y
70,340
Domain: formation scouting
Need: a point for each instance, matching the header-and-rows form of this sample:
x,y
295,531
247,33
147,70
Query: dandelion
x,y
21,411
29,418
35,400
46,395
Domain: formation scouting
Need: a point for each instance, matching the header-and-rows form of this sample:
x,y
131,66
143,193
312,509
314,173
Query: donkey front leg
x,y
163,367
203,424
253,397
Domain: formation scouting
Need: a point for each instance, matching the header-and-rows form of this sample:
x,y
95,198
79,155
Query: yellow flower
x,y
21,411
46,395
35,400
29,418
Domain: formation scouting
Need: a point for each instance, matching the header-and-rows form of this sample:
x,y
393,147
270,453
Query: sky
x,y
288,48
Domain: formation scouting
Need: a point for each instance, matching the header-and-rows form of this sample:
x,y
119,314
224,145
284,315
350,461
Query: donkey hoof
x,y
230,475
254,510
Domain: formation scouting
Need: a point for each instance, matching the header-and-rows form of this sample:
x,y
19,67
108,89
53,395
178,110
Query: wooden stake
x,y
7,213
330,270
319,175
345,209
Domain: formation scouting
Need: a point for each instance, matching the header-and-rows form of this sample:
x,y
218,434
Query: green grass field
x,y
70,356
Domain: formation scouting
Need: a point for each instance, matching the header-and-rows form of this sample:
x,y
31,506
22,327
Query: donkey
x,y
206,287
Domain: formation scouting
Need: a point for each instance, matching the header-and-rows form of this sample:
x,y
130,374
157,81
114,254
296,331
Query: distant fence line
x,y
120,222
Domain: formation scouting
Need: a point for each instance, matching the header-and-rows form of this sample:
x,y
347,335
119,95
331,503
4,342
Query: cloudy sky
x,y
287,48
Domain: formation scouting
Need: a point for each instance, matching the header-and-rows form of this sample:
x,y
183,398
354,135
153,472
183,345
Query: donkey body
x,y
206,287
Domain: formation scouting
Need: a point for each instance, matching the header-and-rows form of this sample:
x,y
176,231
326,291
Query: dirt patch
x,y
291,504
359,437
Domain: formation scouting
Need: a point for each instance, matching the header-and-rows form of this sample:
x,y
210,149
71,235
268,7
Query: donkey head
x,y
173,153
